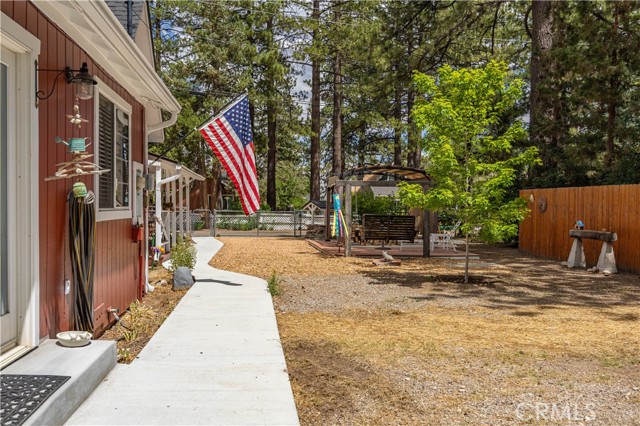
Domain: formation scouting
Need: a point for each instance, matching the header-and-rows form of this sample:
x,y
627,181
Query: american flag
x,y
229,136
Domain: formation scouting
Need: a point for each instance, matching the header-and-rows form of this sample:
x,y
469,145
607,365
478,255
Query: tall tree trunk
x,y
412,159
541,103
414,147
157,38
397,131
361,153
214,188
271,132
315,107
466,259
204,187
337,103
203,170
614,84
271,154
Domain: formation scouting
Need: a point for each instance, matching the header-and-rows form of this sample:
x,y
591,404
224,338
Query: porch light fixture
x,y
83,81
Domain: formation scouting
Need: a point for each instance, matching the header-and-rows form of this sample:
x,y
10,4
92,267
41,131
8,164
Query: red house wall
x,y
117,272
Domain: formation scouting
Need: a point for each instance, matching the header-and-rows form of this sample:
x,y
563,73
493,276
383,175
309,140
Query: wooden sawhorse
x,y
606,261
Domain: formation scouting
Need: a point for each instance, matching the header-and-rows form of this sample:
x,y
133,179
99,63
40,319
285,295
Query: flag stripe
x,y
223,146
229,136
231,166
251,180
226,130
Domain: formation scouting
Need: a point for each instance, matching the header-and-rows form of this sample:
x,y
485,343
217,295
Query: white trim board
x,y
27,254
107,92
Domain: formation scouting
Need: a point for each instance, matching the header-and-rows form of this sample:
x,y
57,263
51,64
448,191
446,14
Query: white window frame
x,y
101,89
25,187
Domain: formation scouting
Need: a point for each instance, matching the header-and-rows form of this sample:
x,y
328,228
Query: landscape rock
x,y
182,278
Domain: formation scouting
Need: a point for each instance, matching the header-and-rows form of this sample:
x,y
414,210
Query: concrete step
x,y
86,366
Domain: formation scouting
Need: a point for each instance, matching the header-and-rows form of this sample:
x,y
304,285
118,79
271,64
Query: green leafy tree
x,y
367,203
469,149
292,187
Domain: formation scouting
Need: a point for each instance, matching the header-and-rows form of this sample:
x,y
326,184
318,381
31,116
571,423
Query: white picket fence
x,y
227,222
266,222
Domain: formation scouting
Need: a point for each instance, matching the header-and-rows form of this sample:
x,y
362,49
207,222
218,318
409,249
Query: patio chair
x,y
443,240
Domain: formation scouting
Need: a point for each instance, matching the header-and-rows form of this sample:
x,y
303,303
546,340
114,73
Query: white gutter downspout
x,y
170,122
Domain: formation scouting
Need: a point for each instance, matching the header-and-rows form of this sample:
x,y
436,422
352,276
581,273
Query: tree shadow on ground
x,y
506,279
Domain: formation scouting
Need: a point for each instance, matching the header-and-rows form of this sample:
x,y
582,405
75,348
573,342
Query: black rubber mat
x,y
21,395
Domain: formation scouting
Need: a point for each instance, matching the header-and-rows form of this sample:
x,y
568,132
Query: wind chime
x,y
339,224
82,221
78,166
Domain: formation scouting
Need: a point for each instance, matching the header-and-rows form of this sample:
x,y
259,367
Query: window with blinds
x,y
113,154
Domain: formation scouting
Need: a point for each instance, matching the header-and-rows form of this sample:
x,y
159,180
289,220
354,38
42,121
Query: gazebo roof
x,y
385,171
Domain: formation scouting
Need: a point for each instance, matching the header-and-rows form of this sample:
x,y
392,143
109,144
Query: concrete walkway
x,y
216,360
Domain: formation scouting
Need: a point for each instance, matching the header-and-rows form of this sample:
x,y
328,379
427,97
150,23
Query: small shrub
x,y
183,254
273,285
124,355
131,335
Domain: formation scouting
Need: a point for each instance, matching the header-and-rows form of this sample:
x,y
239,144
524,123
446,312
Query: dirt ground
x,y
140,322
531,342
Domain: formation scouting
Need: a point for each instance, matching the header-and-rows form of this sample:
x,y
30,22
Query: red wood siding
x,y
615,208
117,258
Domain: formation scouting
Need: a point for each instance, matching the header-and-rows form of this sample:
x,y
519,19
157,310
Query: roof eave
x,y
170,167
92,25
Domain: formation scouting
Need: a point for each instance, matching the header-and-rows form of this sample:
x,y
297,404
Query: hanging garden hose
x,y
82,248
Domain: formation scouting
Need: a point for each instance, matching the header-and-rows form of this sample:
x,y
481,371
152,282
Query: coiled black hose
x,y
82,249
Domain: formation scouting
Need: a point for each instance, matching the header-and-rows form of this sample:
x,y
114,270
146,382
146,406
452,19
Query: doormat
x,y
21,395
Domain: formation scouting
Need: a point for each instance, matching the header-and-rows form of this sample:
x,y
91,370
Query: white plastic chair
x,y
443,240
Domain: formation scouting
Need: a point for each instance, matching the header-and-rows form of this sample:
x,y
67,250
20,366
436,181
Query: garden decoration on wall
x,y
82,222
79,164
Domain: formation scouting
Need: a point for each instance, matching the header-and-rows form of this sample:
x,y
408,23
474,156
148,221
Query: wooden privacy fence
x,y
614,208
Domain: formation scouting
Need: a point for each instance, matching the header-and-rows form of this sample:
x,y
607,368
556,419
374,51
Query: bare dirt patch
x,y
413,345
284,256
143,318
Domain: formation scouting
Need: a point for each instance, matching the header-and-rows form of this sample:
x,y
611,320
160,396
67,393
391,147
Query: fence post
x,y
293,213
300,222
212,226
258,227
295,217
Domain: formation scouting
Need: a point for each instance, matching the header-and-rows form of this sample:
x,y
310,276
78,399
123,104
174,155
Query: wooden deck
x,y
395,250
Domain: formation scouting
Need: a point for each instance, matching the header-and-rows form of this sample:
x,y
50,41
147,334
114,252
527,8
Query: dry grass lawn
x,y
534,343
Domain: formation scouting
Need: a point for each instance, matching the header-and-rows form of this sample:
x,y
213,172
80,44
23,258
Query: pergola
x,y
375,176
